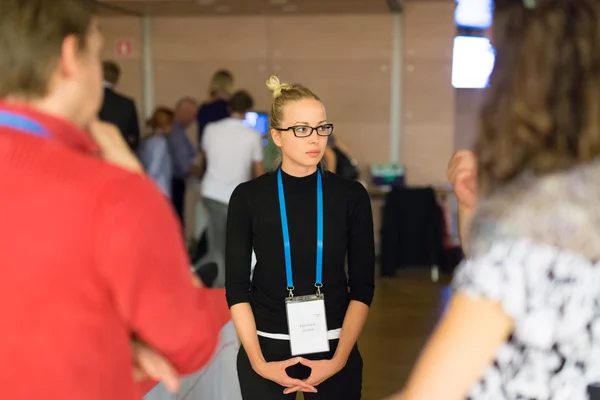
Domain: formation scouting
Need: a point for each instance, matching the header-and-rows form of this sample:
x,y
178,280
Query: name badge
x,y
307,324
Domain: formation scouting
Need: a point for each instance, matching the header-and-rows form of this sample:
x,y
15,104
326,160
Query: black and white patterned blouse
x,y
535,249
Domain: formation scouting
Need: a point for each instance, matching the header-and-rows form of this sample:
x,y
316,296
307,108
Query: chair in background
x,y
411,230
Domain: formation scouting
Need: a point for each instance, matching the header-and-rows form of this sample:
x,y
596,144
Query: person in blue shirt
x,y
182,151
154,150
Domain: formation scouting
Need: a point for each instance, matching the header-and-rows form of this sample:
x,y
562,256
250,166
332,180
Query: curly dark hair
x,y
542,111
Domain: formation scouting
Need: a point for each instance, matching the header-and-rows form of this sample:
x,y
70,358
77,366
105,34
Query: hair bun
x,y
276,86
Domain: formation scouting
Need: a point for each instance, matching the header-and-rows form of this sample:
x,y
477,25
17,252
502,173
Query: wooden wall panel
x,y
349,37
344,59
468,105
209,38
355,91
428,97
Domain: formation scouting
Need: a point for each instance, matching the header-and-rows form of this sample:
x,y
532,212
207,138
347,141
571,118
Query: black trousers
x,y
178,196
345,385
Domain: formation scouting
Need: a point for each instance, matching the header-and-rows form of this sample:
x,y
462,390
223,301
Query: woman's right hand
x,y
275,371
462,174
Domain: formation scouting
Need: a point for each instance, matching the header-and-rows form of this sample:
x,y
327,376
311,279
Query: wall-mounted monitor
x,y
475,14
260,122
473,60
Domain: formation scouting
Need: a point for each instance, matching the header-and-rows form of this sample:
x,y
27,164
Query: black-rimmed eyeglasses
x,y
302,131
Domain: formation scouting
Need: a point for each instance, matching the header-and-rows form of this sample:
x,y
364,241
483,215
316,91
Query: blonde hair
x,y
221,82
284,93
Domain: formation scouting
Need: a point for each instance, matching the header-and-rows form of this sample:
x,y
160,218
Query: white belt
x,y
331,335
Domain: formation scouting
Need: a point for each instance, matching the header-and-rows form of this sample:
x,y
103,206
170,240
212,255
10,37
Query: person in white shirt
x,y
233,154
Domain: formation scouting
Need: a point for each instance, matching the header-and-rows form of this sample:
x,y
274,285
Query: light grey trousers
x,y
217,232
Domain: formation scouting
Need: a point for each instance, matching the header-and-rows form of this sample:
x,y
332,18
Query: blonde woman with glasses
x,y
299,316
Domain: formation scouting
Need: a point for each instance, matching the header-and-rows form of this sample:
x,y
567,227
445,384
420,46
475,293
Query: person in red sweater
x,y
92,254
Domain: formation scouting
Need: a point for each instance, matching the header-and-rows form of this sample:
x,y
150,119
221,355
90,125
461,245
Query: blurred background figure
x,y
154,150
338,160
182,151
233,155
118,109
216,108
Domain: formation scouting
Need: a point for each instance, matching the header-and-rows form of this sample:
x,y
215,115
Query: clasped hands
x,y
321,370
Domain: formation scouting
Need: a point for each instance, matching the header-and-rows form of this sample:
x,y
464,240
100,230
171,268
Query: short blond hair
x,y
221,82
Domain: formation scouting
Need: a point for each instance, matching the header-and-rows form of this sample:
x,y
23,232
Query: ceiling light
x,y
205,2
277,2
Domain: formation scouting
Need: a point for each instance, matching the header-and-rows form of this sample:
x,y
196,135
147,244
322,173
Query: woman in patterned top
x,y
524,320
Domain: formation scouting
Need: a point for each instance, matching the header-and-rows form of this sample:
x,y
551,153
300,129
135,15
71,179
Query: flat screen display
x,y
473,60
258,121
476,14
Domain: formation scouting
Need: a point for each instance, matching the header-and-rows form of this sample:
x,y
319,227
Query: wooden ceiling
x,y
244,7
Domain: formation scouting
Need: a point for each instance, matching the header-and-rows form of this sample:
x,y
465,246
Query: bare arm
x,y
469,334
243,319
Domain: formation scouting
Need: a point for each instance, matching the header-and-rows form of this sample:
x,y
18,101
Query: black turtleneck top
x,y
254,222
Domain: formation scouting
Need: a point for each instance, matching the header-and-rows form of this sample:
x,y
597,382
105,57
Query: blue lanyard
x,y
286,234
22,123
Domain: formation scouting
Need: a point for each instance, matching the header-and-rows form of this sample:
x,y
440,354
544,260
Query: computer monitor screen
x,y
472,62
476,14
258,121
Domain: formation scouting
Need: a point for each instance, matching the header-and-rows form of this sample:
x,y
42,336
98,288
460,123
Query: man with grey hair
x,y
182,151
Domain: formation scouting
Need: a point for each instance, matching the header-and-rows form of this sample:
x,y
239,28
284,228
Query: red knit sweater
x,y
91,255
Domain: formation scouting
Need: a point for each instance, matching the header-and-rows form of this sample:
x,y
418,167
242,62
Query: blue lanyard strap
x,y
286,234
21,123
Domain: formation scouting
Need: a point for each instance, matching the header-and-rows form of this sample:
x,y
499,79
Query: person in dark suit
x,y
118,109
217,106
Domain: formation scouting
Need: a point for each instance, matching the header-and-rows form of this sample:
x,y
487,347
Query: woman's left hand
x,y
321,370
